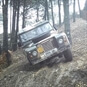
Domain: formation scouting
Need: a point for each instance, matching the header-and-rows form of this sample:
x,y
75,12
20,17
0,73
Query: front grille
x,y
48,44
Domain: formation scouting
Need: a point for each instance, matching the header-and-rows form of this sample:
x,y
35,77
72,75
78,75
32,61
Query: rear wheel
x,y
68,55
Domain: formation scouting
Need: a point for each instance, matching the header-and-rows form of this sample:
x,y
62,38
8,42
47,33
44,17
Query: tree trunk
x,y
79,8
17,27
66,19
18,7
10,17
85,8
59,12
37,8
5,29
74,18
23,19
5,25
13,44
52,12
84,12
46,10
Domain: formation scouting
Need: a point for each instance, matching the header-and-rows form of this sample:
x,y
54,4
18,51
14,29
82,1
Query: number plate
x,y
40,49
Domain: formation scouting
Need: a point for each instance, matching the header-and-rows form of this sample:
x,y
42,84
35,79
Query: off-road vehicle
x,y
41,41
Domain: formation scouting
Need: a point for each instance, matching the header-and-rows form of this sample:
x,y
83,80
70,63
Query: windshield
x,y
35,32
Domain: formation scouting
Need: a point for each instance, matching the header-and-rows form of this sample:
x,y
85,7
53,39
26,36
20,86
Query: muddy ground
x,y
55,74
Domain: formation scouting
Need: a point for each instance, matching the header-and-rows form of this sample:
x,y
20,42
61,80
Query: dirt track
x,y
57,74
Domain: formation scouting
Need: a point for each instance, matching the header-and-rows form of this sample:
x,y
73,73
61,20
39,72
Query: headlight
x,y
60,41
34,53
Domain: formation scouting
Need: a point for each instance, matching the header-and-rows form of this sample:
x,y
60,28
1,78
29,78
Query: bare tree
x,y
5,29
46,10
74,19
66,19
17,25
52,12
79,8
5,25
85,7
13,26
59,11
37,8
23,18
84,11
18,8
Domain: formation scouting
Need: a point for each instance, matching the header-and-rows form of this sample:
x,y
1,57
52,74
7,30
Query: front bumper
x,y
49,54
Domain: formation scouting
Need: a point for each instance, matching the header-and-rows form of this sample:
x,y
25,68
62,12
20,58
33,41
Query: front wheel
x,y
68,55
30,63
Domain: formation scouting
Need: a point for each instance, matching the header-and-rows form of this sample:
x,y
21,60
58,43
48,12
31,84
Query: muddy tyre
x,y
68,55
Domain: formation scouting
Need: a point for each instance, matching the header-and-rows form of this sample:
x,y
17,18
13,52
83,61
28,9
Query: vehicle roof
x,y
33,26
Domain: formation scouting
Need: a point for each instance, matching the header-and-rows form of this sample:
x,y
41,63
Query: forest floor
x,y
57,74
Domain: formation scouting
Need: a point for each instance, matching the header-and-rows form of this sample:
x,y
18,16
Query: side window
x,y
46,27
23,37
30,34
39,30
